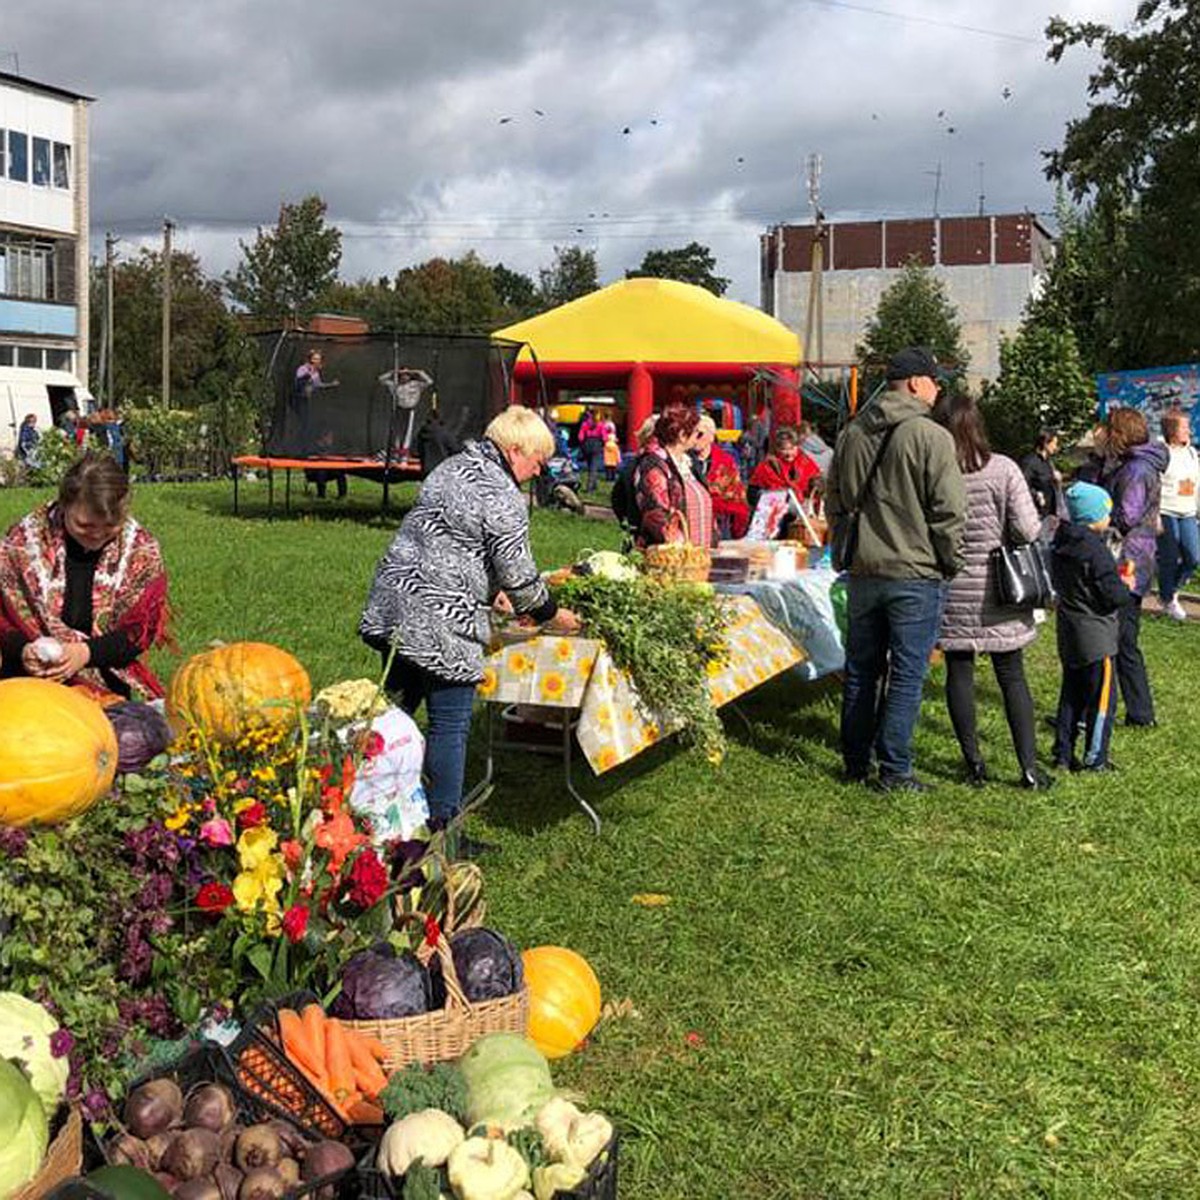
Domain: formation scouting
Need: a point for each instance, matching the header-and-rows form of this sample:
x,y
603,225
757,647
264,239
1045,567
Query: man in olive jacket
x,y
910,529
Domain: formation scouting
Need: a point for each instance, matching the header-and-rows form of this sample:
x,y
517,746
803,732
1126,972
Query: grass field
x,y
967,994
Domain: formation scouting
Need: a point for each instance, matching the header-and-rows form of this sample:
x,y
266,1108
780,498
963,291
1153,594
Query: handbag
x,y
843,536
1023,577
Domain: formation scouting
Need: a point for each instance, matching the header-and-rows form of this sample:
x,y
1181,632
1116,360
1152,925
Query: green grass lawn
x,y
967,994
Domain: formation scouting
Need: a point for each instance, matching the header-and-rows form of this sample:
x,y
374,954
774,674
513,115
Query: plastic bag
x,y
387,787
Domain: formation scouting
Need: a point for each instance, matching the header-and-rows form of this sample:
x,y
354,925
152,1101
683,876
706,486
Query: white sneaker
x,y
1175,611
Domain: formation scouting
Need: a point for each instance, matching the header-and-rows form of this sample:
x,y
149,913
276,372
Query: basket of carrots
x,y
309,1067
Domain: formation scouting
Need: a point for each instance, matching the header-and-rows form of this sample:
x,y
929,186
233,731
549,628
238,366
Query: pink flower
x,y
216,832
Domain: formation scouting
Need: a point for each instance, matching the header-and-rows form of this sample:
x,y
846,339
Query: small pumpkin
x,y
228,690
564,999
58,752
142,734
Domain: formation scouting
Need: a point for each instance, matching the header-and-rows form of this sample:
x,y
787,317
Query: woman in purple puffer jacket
x,y
1131,471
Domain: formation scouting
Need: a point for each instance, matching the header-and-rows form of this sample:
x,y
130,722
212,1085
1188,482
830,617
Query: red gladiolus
x,y
295,922
432,931
214,898
293,854
252,817
368,879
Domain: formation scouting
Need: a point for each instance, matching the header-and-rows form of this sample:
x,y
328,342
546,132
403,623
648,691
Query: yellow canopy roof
x,y
655,320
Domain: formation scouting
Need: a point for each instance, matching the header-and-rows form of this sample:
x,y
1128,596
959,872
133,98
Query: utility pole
x,y
937,187
110,256
168,228
814,324
981,189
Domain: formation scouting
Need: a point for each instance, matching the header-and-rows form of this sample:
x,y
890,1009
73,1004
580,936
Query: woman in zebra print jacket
x,y
462,548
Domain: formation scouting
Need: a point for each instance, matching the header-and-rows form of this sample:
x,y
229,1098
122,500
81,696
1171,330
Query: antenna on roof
x,y
981,189
937,187
814,325
16,60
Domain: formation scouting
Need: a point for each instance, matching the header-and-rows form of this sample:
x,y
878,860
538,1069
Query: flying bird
x,y
874,116
951,129
740,159
539,112
941,112
505,120
626,130
1006,93
653,120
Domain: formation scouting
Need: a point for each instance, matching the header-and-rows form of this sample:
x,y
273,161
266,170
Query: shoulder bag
x,y
843,536
1023,577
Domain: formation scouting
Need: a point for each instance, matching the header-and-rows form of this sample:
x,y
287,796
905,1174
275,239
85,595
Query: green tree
x,y
1137,154
913,311
573,273
288,269
1042,384
516,293
692,263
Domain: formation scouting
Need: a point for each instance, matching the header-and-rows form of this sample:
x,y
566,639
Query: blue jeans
x,y
893,625
1178,554
448,706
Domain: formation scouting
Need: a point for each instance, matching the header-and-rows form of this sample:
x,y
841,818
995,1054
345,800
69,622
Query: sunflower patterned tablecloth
x,y
577,673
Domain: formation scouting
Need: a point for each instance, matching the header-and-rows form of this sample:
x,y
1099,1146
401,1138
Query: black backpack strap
x,y
865,490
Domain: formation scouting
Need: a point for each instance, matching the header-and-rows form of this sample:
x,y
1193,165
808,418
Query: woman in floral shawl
x,y
82,573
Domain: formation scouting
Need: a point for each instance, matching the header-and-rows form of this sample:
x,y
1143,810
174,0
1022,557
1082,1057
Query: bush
x,y
55,455
163,439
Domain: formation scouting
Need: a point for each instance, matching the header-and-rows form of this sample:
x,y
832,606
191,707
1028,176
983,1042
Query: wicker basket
x,y
446,1033
63,1160
677,562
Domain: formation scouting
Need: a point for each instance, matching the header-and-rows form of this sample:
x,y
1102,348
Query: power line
x,y
911,17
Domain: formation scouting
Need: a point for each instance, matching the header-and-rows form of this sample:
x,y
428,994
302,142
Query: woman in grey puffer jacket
x,y
1000,510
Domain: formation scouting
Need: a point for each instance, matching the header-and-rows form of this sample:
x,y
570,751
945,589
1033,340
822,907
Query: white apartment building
x,y
43,251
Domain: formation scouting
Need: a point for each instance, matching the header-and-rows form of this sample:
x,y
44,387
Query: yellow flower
x,y
490,682
553,687
260,885
563,650
604,716
519,663
179,818
607,759
264,774
255,846
584,667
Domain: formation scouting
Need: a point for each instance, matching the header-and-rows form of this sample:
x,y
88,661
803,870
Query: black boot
x,y
977,775
1036,780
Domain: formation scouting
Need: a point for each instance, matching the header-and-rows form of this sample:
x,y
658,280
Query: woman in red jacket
x,y
787,466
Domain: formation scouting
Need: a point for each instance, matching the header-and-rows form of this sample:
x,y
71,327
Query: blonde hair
x,y
520,428
707,423
645,431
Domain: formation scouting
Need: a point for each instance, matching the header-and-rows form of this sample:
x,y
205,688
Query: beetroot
x,y
153,1107
209,1106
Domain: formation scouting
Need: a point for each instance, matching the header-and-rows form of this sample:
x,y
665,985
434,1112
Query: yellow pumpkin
x,y
230,689
564,999
58,752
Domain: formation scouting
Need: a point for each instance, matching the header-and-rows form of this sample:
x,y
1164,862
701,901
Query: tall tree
x,y
516,293
692,263
1137,154
913,311
573,273
288,269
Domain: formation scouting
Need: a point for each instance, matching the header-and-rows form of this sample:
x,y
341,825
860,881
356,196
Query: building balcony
x,y
37,318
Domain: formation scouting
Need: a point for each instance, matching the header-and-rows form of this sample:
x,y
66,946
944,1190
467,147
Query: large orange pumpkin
x,y
564,999
58,752
230,689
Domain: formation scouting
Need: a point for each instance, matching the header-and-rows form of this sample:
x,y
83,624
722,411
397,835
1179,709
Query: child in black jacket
x,y
1090,594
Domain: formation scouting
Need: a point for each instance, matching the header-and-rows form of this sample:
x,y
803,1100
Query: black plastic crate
x,y
260,1068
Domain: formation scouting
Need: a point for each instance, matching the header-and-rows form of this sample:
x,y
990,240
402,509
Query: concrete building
x,y
990,266
43,251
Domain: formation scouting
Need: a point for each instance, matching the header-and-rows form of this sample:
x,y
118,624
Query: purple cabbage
x,y
378,986
142,734
487,964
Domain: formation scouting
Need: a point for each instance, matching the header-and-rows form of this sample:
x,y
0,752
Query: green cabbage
x,y
25,1031
24,1132
508,1081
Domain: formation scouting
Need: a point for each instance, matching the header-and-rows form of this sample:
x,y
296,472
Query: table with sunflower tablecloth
x,y
576,673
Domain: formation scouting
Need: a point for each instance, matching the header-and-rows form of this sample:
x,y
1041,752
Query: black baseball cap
x,y
913,360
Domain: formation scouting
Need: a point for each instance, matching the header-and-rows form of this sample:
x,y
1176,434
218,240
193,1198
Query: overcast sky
x,y
513,126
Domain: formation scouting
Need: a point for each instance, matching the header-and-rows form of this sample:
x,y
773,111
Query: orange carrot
x,y
315,1023
338,1066
297,1043
374,1045
367,1073
363,1112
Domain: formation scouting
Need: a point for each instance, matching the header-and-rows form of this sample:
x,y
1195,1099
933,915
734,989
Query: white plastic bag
x,y
387,787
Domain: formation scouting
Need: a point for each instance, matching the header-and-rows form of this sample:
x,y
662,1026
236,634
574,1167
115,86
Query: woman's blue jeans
x,y
1178,554
448,706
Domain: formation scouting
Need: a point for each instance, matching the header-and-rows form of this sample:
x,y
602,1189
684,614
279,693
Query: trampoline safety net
x,y
369,395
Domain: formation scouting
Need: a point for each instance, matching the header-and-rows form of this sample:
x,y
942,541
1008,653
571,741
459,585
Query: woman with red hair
x,y
673,505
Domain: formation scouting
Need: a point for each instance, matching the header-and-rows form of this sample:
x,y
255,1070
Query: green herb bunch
x,y
665,636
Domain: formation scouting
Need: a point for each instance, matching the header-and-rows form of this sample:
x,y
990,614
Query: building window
x,y
57,360
7,355
29,356
3,156
28,270
18,156
62,165
41,162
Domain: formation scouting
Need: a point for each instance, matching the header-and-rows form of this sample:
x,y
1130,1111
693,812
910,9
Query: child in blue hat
x,y
1090,594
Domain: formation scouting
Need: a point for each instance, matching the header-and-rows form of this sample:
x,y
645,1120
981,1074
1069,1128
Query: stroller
x,y
558,485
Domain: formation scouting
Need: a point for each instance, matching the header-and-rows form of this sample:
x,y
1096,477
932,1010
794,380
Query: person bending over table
x,y
462,548
83,572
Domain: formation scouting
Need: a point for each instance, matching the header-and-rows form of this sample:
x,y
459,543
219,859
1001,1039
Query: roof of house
x,y
49,88
655,320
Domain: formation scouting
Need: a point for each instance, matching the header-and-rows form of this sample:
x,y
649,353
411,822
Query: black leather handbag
x,y
843,536
1023,577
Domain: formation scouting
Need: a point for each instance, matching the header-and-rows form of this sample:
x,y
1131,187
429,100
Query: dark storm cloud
x,y
393,113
